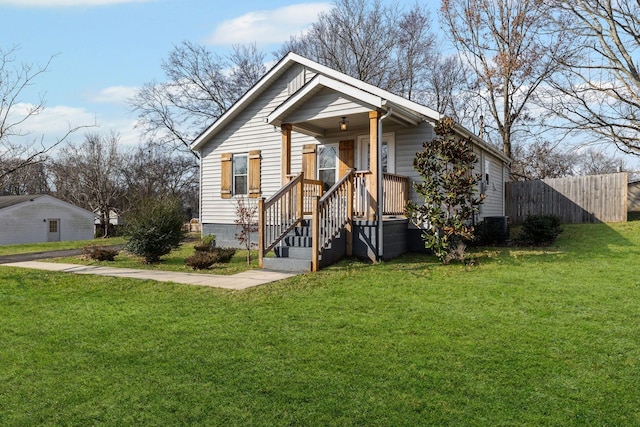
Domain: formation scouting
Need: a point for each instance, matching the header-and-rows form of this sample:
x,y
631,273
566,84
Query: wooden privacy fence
x,y
576,199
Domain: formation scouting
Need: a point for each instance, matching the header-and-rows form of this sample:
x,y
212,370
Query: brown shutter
x,y
345,157
309,161
226,175
254,173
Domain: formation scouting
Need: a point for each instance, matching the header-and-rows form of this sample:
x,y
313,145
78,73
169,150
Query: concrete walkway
x,y
244,280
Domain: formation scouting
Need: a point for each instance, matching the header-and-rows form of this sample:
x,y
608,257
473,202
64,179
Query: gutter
x,y
380,191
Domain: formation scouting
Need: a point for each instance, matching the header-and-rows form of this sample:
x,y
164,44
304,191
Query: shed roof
x,y
7,201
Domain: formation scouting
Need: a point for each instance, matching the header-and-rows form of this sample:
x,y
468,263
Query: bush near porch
x,y
544,336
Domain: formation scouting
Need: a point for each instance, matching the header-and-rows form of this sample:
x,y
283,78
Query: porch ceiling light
x,y
344,124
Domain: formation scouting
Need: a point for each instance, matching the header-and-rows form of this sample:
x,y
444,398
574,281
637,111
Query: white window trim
x,y
233,175
335,168
363,146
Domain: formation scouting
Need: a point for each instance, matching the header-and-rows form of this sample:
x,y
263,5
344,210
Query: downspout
x,y
380,189
200,197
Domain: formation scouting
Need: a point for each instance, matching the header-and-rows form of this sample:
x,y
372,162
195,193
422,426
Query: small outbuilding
x,y
42,218
633,196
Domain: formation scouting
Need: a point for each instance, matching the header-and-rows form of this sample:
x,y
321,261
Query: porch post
x,y
372,183
315,234
261,227
285,162
349,227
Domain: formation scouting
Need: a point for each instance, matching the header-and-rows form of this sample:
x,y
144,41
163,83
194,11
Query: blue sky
x,y
105,49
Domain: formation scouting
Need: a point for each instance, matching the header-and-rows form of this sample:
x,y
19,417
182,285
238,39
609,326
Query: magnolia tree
x,y
448,188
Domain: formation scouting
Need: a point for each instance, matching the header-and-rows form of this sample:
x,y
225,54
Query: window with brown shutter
x,y
226,175
240,174
254,173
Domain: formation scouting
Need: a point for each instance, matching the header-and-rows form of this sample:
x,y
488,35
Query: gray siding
x,y
409,141
324,104
493,204
246,132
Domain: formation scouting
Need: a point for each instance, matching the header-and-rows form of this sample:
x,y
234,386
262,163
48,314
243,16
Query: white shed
x,y
42,218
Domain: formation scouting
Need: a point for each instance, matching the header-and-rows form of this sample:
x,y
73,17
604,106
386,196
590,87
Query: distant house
x,y
306,131
42,218
633,196
114,217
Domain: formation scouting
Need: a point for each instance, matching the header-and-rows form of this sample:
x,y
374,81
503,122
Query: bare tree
x,y
447,90
151,172
416,49
18,146
512,50
200,86
541,159
90,175
601,85
373,43
27,179
594,161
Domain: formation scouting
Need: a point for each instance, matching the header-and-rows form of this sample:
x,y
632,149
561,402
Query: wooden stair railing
x,y
331,214
278,215
283,211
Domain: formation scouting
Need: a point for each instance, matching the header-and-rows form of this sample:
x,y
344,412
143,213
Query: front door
x,y
53,234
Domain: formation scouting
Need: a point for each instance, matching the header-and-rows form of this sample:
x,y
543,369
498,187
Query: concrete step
x,y
288,265
293,252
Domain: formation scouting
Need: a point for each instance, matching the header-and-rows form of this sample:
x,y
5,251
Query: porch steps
x,y
294,254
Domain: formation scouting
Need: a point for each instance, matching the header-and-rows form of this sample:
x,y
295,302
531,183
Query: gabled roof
x,y
318,82
408,111
7,201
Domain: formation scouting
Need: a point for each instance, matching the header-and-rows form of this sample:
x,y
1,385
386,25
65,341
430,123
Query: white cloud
x,y
268,26
114,95
52,123
66,3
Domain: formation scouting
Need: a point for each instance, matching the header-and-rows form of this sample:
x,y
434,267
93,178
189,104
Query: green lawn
x,y
170,262
525,337
54,246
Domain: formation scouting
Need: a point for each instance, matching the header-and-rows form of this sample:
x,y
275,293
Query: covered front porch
x,y
346,178
331,224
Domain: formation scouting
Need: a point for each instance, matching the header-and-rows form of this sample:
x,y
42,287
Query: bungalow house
x,y
328,161
42,218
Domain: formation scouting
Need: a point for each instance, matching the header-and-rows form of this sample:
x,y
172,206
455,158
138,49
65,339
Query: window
x,y
53,226
327,162
240,174
487,168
